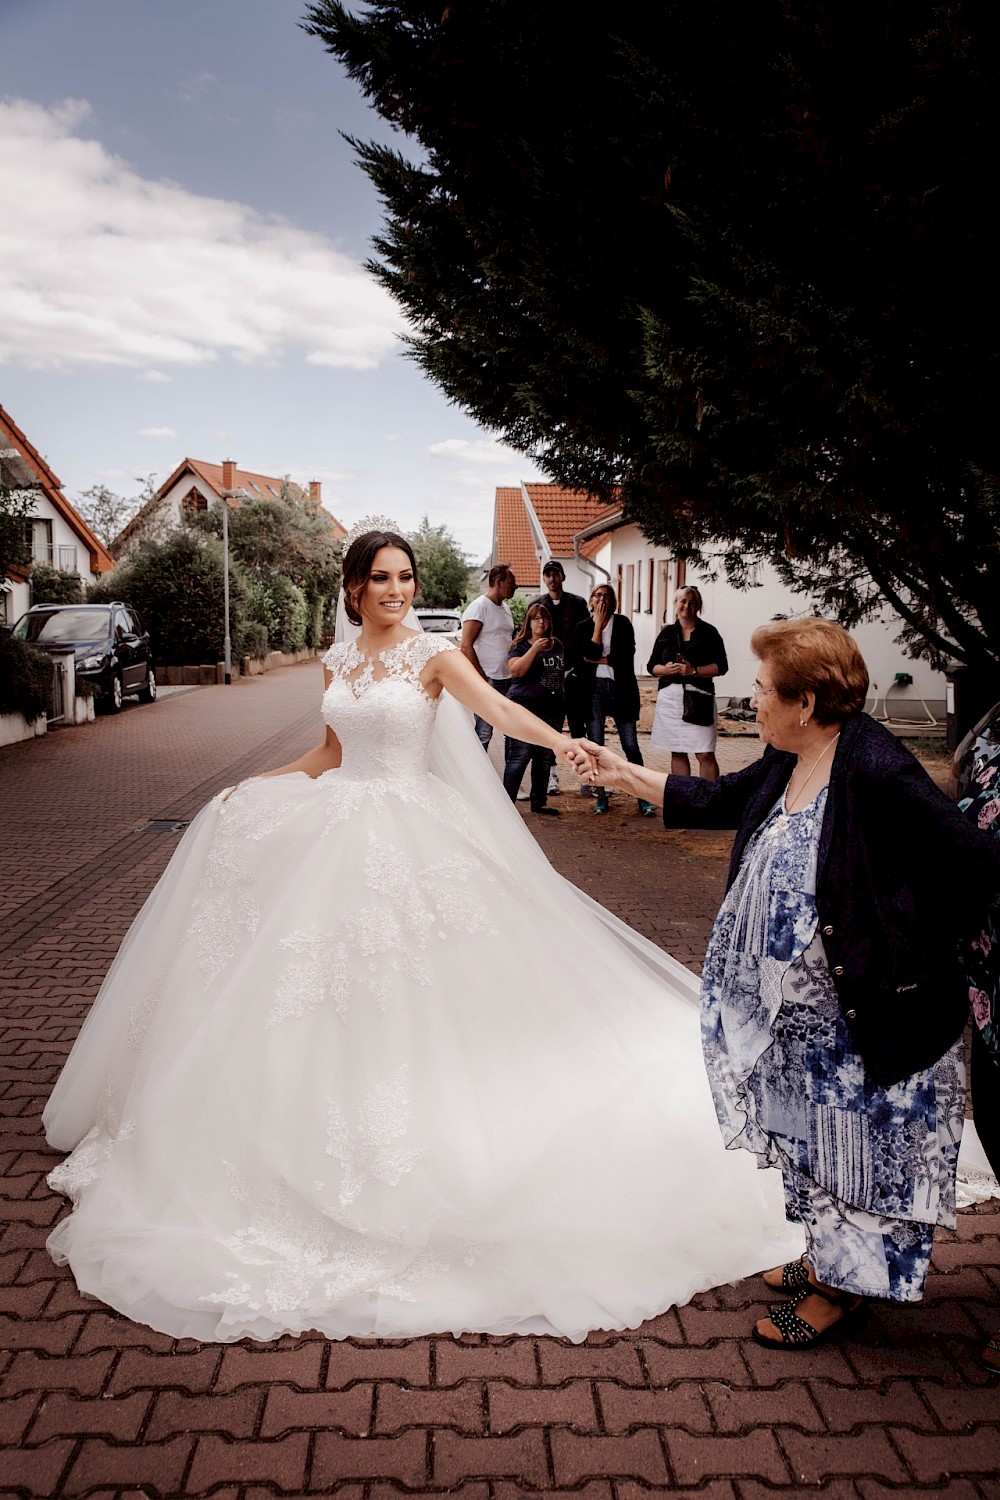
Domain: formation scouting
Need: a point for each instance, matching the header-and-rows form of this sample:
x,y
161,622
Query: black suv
x,y
109,644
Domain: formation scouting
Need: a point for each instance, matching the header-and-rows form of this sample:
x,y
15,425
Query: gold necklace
x,y
812,769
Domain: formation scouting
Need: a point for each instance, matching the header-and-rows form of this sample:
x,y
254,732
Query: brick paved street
x,y
93,1405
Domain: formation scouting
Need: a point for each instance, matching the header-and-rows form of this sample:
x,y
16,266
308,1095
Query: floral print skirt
x,y
868,1170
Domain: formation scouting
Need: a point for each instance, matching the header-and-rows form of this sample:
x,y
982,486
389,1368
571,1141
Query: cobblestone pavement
x,y
93,1405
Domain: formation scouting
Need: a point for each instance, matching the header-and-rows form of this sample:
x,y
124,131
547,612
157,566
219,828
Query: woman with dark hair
x,y
536,664
833,1001
365,1064
686,658
606,652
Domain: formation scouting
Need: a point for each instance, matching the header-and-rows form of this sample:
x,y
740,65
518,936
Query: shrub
x,y
51,586
176,586
255,641
280,606
25,678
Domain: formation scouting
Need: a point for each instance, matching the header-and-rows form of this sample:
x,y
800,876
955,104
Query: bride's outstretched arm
x,y
324,757
615,771
451,670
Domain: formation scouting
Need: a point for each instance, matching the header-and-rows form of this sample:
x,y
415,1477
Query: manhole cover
x,y
165,825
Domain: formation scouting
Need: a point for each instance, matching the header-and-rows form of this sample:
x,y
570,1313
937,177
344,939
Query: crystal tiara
x,y
371,523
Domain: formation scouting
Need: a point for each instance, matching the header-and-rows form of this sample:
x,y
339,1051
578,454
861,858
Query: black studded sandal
x,y
990,1356
795,1332
794,1277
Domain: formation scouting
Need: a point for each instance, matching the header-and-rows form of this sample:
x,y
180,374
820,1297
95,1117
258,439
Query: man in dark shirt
x,y
568,611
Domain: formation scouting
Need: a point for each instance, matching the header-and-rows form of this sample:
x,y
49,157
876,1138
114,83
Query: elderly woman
x,y
833,1002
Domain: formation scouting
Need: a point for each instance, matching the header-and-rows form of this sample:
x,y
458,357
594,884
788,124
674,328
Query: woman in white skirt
x,y
686,658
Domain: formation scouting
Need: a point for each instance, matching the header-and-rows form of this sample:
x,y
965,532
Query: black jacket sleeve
x,y
664,648
694,802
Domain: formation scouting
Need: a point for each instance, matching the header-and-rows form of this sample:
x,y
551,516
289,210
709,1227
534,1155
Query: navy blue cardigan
x,y
902,875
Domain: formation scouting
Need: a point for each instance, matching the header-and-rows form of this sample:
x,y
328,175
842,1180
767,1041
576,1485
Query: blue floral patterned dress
x,y
868,1170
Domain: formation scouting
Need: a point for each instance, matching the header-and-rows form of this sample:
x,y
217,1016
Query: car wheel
x,y
148,693
113,701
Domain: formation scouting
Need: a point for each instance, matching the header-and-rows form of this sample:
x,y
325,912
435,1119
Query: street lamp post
x,y
228,675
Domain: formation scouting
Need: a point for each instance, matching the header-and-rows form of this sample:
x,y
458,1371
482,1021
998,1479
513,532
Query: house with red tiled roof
x,y
533,523
597,543
58,535
195,485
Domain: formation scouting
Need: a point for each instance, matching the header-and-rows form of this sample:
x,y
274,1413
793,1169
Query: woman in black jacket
x,y
605,650
833,1001
686,658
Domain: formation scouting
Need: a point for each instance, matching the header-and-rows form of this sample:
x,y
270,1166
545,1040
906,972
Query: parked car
x,y
441,622
981,742
110,647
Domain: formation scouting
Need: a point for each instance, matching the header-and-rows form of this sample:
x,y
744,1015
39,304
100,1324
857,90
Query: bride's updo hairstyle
x,y
358,562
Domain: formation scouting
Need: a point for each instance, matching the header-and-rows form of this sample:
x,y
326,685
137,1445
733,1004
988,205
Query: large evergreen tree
x,y
735,256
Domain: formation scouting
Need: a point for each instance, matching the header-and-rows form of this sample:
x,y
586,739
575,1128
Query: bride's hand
x,y
579,759
604,765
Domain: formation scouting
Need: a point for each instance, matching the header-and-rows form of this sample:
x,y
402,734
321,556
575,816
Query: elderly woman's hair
x,y
524,634
358,566
689,588
605,588
814,656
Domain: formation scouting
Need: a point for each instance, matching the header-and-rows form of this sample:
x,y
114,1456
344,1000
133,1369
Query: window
x,y
630,587
66,559
39,539
193,501
680,573
649,587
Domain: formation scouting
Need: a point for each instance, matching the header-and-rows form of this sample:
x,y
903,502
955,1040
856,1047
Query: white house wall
x,y
737,613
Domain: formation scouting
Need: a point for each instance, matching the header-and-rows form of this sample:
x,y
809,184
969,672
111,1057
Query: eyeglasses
x,y
762,692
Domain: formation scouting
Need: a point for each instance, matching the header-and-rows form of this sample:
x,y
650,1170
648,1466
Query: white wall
x,y
737,613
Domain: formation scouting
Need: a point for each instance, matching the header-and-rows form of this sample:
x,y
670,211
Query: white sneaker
x,y
524,795
554,787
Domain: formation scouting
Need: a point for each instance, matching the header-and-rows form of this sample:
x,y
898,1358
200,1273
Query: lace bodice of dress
x,y
378,709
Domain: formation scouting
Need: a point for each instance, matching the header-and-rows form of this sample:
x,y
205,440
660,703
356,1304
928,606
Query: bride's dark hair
x,y
358,566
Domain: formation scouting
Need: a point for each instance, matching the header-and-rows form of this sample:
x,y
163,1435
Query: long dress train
x,y
366,1064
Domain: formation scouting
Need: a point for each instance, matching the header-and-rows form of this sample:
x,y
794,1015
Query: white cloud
x,y
155,377
100,267
156,432
481,451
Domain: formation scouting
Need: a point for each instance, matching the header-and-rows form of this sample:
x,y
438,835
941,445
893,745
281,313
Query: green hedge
x,y
52,586
25,678
176,586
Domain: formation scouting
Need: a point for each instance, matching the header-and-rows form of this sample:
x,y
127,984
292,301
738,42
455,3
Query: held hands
x,y
596,763
577,755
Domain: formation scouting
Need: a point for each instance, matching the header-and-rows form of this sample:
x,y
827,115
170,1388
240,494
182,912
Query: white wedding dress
x,y
366,1064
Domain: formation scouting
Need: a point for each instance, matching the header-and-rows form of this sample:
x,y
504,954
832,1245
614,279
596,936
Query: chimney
x,y
314,491
229,473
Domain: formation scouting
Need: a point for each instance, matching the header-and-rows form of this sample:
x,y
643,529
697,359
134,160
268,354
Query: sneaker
x,y
646,808
524,795
603,800
554,788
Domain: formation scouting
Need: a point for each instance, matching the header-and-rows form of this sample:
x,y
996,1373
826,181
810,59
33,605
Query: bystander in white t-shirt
x,y
492,644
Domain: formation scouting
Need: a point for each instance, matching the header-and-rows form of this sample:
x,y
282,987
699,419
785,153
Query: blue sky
x,y
181,255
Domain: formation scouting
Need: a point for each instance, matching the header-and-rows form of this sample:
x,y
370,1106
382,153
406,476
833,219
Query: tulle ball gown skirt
x,y
351,1071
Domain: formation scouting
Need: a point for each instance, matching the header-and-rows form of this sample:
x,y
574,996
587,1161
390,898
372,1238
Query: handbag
x,y
699,706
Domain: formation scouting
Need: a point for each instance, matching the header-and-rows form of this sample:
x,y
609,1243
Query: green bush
x,y
25,678
176,585
280,606
255,641
50,586
518,608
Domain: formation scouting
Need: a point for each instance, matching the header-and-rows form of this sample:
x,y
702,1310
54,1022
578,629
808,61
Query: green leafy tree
x,y
738,264
17,505
442,565
177,588
283,538
106,513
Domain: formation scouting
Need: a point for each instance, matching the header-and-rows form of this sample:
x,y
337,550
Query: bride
x,y
366,1064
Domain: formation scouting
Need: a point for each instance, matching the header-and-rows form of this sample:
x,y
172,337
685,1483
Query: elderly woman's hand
x,y
605,766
